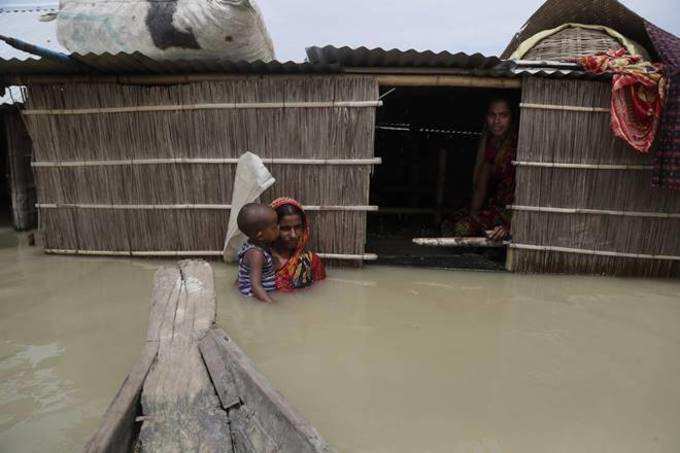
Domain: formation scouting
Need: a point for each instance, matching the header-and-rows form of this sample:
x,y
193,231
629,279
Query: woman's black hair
x,y
289,209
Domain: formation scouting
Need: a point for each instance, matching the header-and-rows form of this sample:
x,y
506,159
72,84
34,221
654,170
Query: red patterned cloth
x,y
638,93
303,267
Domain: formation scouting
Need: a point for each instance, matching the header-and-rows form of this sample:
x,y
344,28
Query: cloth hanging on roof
x,y
667,151
251,179
631,46
638,93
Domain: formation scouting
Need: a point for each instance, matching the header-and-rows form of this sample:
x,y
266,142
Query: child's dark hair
x,y
253,218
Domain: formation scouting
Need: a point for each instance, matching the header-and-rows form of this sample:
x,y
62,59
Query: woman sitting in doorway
x,y
493,179
297,267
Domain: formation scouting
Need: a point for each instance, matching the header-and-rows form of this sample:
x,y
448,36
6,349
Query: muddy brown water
x,y
379,360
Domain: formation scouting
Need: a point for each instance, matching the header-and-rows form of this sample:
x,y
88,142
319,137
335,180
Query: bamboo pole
x,y
185,206
448,81
459,242
155,79
165,253
546,248
186,160
217,106
569,108
581,166
659,215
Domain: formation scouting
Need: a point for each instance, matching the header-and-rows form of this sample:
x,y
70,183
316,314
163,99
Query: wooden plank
x,y
181,410
264,421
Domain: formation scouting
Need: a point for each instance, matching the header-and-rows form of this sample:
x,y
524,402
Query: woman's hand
x,y
499,233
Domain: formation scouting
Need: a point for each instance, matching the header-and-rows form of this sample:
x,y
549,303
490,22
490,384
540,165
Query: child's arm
x,y
255,260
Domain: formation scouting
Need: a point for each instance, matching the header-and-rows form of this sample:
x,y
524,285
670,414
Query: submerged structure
x,y
135,156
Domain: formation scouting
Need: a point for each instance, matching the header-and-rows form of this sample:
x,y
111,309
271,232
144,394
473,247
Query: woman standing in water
x,y
493,180
297,267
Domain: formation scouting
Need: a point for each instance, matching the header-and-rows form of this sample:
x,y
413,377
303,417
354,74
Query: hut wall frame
x,y
611,209
348,132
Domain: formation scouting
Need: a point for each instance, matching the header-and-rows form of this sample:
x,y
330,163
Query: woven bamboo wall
x,y
22,187
635,226
324,133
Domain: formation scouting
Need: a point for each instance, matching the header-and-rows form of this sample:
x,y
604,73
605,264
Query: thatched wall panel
x,y
559,136
203,230
592,189
59,229
199,184
598,232
567,136
340,133
564,263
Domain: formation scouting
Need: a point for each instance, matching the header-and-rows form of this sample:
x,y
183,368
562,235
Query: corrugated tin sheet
x,y
363,57
137,63
557,73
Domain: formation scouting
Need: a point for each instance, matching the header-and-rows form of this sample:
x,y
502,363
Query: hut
x,y
585,200
134,156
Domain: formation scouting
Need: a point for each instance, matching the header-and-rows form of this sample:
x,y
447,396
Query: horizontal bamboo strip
x,y
519,163
155,79
161,253
342,256
186,160
184,206
550,248
659,215
217,106
447,80
570,108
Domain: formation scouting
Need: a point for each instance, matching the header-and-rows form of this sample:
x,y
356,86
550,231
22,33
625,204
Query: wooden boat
x,y
193,388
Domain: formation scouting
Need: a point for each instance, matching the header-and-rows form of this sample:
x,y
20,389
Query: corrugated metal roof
x,y
557,73
554,69
137,63
363,57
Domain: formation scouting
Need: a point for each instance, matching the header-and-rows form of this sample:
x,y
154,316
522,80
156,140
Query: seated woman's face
x,y
498,118
290,231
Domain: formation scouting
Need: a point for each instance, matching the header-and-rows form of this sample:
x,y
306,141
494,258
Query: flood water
x,y
379,360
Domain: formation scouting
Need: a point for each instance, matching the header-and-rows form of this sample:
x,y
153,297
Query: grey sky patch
x,y
484,26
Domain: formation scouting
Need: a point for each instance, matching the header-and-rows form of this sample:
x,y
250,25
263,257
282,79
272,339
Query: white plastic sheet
x,y
251,180
169,29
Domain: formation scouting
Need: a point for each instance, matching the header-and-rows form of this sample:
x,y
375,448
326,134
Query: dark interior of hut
x,y
5,208
427,138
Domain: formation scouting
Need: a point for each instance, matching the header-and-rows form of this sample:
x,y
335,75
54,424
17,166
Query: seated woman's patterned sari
x,y
500,191
303,267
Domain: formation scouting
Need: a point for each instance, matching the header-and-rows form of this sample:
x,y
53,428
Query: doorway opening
x,y
428,138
